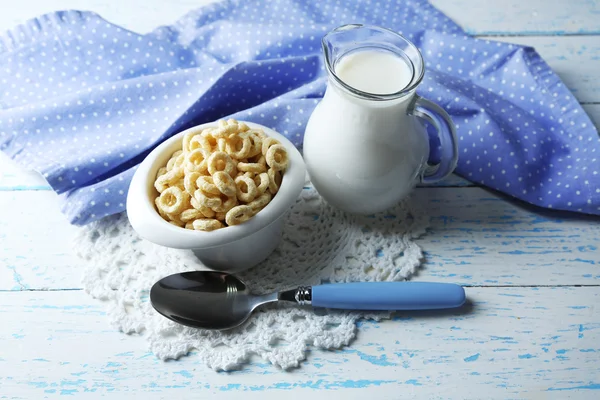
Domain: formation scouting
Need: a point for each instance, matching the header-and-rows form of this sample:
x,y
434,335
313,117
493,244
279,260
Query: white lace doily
x,y
320,244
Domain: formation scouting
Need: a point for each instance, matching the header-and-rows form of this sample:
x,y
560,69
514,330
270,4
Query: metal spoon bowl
x,y
204,299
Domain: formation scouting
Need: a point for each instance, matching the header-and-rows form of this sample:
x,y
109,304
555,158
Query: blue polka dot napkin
x,y
83,101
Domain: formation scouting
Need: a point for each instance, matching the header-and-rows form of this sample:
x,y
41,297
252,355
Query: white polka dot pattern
x,y
83,101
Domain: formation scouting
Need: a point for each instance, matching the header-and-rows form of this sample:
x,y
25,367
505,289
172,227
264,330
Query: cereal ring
x,y
186,197
221,144
190,214
268,142
210,139
224,131
195,160
259,133
207,212
158,207
255,142
242,127
206,201
203,143
185,144
198,142
245,173
161,172
195,203
277,157
176,223
189,182
228,202
262,182
220,216
174,217
164,215
176,160
207,185
251,167
180,161
170,163
220,161
238,214
168,179
171,200
274,180
260,202
206,224
238,147
180,184
176,174
231,124
224,182
246,189
258,159
161,183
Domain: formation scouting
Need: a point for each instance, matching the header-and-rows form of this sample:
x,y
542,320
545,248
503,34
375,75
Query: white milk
x,y
372,71
362,155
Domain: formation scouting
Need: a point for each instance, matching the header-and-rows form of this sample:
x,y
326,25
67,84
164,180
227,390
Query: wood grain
x,y
593,111
475,238
15,177
508,343
35,243
481,17
531,17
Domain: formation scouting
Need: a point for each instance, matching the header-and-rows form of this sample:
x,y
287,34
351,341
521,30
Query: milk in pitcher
x,y
373,71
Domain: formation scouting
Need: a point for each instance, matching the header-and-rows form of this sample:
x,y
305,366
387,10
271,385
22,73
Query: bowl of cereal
x,y
219,189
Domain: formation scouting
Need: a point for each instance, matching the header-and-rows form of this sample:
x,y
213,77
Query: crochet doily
x,y
320,244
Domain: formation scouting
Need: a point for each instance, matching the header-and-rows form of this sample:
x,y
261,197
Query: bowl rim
x,y
148,223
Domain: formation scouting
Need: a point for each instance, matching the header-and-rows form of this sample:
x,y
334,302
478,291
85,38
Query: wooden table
x,y
533,277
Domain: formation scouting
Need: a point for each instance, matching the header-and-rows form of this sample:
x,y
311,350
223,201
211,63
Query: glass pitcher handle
x,y
441,121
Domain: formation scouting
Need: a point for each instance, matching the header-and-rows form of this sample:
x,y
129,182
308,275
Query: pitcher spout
x,y
336,43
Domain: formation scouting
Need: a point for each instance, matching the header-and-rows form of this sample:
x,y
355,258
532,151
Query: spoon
x,y
216,300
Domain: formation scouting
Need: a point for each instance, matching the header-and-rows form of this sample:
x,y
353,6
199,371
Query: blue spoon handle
x,y
388,296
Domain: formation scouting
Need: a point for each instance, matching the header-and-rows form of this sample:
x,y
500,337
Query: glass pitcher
x,y
365,150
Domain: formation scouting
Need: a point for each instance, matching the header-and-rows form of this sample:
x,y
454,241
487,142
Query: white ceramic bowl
x,y
233,248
